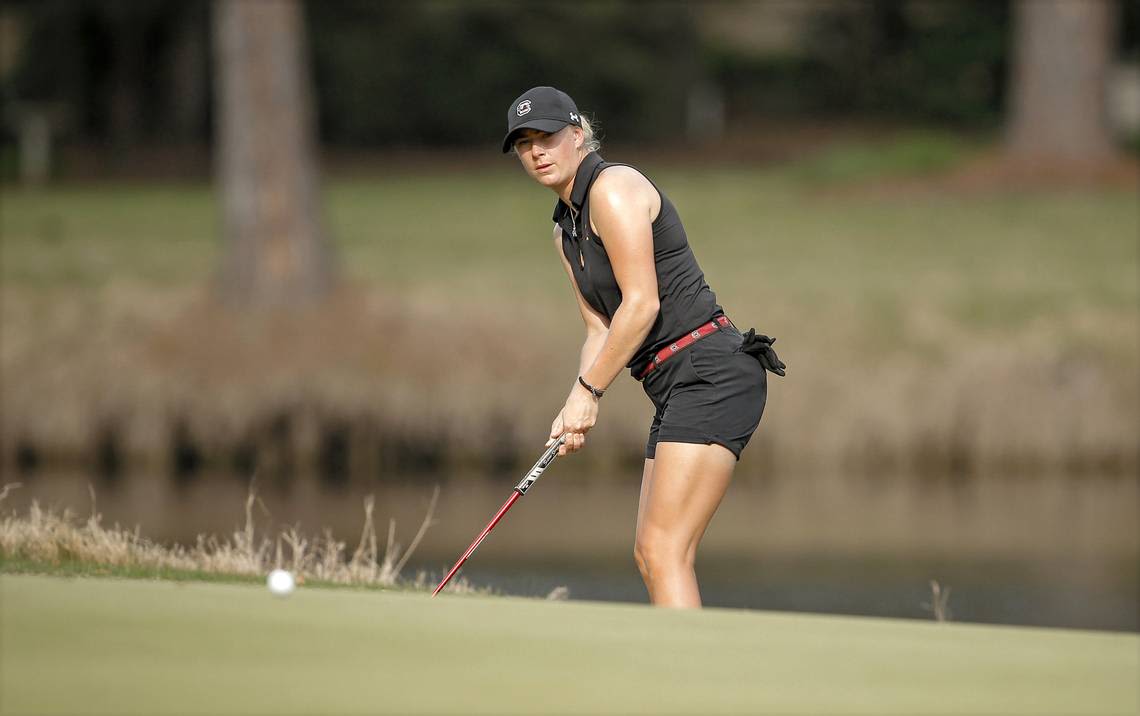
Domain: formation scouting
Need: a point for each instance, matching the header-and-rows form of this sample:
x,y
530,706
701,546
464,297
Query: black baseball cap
x,y
543,108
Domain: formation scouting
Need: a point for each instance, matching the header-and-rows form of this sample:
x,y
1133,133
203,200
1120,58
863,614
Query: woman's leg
x,y
680,491
642,501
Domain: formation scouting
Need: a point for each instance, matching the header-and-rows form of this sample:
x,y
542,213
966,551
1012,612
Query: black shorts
x,y
708,393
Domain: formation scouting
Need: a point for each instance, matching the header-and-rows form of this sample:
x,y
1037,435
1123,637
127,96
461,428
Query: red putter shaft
x,y
520,490
486,531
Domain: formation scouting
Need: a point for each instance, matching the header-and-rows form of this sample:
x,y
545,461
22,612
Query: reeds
x,y
194,389
50,538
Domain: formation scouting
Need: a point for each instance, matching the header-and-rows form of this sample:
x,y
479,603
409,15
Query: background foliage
x,y
414,73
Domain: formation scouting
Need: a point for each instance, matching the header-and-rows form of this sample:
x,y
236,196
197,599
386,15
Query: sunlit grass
x,y
909,154
81,646
755,232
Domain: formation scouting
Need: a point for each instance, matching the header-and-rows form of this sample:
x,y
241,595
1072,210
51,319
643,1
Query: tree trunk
x,y
276,252
1061,55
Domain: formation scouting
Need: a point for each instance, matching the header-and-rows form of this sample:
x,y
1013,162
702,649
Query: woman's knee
x,y
656,550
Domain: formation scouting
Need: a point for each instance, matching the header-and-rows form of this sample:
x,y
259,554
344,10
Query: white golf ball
x,y
281,582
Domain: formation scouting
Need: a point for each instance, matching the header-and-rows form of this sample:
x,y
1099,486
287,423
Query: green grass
x,y
81,646
755,231
169,574
87,237
905,155
74,568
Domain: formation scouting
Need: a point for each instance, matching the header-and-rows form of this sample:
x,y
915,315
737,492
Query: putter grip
x,y
540,466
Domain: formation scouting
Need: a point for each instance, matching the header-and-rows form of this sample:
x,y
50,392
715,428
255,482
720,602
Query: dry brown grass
x,y
50,538
144,375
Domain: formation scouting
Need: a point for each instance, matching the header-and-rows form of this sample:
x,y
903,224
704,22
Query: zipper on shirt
x,y
574,234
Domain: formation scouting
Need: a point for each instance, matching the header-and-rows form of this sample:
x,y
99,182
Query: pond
x,y
1049,551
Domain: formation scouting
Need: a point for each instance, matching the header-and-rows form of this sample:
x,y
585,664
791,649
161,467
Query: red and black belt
x,y
684,342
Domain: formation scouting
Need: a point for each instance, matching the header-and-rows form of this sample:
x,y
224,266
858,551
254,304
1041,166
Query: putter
x,y
519,491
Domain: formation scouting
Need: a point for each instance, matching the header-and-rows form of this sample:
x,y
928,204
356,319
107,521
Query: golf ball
x,y
281,582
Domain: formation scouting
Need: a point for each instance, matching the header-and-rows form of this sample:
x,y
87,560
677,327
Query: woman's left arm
x,y
622,204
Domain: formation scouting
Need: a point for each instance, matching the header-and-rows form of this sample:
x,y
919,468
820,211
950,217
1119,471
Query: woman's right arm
x,y
596,324
597,328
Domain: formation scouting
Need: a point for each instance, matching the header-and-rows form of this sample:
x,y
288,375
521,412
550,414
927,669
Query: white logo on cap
x,y
523,107
573,117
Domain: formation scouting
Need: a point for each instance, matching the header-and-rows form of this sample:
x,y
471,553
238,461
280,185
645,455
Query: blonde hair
x,y
592,142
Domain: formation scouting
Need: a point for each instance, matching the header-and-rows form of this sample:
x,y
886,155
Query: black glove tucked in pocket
x,y
760,348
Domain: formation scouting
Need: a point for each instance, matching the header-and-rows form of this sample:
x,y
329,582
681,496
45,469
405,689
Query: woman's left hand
x,y
579,414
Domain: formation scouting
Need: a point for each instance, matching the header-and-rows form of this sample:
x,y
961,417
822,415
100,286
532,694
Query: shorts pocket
x,y
702,367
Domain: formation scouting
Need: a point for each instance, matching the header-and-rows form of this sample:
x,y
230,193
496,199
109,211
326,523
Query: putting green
x,y
81,646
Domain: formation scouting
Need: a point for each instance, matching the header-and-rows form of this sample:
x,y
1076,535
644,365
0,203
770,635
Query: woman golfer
x,y
647,308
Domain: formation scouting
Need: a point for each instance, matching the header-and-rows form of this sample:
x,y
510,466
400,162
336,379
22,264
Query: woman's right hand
x,y
573,442
577,416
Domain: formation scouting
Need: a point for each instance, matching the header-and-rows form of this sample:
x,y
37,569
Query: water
x,y
1023,593
1048,551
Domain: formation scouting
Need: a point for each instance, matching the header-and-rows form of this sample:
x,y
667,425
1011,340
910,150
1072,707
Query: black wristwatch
x,y
594,391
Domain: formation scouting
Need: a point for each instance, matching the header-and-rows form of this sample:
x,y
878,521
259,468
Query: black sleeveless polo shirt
x,y
686,299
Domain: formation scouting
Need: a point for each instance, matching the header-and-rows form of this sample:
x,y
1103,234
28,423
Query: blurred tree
x,y
442,73
892,60
133,76
276,249
1061,54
